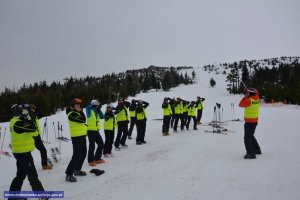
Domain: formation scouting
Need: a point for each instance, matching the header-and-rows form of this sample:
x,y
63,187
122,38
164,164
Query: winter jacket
x,y
251,105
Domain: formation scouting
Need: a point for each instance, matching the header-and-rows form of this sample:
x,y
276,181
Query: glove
x,y
25,115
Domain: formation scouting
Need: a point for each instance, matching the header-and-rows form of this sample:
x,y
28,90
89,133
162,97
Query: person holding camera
x,y
199,104
132,114
167,113
78,132
109,130
251,104
191,114
22,130
94,114
141,120
179,114
32,109
122,121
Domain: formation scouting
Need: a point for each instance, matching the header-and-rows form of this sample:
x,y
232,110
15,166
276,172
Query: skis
x,y
220,131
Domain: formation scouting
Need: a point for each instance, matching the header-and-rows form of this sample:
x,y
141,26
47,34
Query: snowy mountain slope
x,y
188,164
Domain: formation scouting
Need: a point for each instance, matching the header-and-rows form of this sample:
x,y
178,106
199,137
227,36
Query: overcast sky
x,y
53,39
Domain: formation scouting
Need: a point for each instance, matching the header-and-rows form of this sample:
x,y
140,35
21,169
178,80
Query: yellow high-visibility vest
x,y
253,110
20,143
76,129
167,111
109,124
93,122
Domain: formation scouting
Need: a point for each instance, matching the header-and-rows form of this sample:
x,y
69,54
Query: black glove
x,y
97,172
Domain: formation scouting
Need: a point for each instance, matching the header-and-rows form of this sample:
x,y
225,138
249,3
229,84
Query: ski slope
x,y
188,165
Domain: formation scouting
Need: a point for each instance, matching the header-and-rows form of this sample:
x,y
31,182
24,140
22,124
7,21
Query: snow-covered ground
x,y
189,164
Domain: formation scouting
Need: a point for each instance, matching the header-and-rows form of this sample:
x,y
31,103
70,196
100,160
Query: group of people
x,y
179,109
25,131
115,117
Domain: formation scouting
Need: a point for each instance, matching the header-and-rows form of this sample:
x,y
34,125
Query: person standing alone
x,y
251,104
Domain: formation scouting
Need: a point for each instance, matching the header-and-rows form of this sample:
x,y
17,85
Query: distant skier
x,y
109,131
94,114
122,121
132,114
199,104
22,130
78,132
32,109
167,113
141,120
251,104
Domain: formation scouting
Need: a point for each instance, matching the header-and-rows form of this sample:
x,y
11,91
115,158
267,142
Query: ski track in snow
x,y
188,164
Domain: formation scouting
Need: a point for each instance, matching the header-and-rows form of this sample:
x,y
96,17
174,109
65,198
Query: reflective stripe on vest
x,y
253,110
122,115
77,129
93,122
142,115
23,142
109,124
167,111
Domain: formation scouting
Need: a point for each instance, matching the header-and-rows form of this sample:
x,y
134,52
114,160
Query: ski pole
x,y
243,84
3,139
233,112
54,131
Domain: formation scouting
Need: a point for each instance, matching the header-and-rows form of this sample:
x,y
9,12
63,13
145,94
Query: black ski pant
x,y
177,117
166,124
185,117
141,130
189,120
25,167
251,143
122,133
41,147
172,120
199,115
95,138
132,123
79,154
109,139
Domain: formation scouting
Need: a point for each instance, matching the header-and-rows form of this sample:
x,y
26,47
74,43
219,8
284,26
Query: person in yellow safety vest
x,y
122,118
94,114
251,104
192,114
167,113
78,132
199,104
132,114
141,120
109,130
179,114
32,109
22,130
185,111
